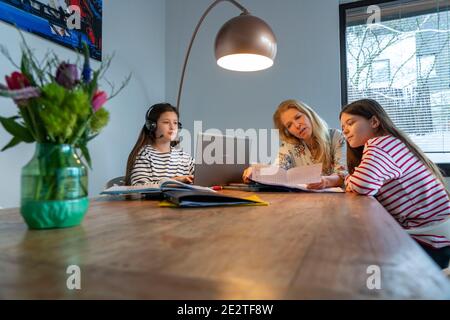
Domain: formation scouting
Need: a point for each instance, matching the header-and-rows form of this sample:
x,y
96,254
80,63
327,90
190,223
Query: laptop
x,y
220,159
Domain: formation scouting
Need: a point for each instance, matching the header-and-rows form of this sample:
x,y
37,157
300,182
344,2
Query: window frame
x,y
445,167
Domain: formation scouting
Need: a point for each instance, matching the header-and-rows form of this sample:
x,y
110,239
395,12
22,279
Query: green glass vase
x,y
54,188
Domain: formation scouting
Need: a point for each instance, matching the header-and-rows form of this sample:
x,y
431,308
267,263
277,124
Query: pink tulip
x,y
99,100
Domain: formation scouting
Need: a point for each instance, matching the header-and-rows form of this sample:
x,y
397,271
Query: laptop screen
x,y
220,159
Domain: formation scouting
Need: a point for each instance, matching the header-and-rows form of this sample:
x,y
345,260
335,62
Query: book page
x,y
131,189
171,184
304,174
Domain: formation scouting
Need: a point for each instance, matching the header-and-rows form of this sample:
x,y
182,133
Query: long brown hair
x,y
320,135
368,108
147,135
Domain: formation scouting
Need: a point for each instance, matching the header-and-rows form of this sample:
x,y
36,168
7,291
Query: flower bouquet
x,y
61,112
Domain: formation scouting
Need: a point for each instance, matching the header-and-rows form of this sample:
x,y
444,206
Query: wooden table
x,y
301,246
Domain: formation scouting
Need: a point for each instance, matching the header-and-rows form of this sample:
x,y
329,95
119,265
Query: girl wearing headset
x,y
154,155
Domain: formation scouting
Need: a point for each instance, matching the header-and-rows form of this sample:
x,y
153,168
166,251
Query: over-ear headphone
x,y
150,125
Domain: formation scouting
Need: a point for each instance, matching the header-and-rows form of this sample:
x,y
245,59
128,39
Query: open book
x,y
156,188
294,179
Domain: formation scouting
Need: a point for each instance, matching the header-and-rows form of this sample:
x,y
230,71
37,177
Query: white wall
x,y
306,66
135,31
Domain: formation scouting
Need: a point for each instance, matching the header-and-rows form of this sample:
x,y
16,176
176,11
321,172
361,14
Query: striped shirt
x,y
405,187
152,165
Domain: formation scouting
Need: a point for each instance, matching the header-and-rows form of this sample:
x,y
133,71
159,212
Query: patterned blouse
x,y
293,155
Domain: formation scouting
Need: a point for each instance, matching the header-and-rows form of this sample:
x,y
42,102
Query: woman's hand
x,y
186,179
247,175
324,183
327,182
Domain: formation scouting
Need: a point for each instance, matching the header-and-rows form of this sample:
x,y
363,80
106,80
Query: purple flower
x,y
25,93
20,96
67,75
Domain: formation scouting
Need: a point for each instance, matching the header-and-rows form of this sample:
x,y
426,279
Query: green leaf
x,y
16,130
92,137
26,69
86,155
14,141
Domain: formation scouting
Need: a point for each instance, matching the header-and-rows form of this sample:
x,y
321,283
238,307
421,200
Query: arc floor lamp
x,y
244,43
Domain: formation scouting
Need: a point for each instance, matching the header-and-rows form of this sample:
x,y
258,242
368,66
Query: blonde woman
x,y
306,140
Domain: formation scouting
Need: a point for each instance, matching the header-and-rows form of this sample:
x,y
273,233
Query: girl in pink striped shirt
x,y
383,162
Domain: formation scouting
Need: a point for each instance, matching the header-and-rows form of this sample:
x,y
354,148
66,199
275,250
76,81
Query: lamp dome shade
x,y
245,43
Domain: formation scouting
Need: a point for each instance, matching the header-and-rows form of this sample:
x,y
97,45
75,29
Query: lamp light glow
x,y
245,62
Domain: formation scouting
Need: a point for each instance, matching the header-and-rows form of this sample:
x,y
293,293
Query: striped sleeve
x,y
191,165
142,169
376,167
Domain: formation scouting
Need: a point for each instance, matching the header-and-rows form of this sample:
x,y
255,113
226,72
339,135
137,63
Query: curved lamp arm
x,y
240,7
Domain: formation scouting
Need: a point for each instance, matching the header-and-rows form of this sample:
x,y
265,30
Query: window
x,y
398,53
381,72
426,66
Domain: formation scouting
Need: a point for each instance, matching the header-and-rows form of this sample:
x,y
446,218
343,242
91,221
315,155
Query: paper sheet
x,y
291,177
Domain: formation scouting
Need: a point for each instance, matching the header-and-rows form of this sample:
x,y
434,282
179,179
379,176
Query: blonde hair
x,y
320,135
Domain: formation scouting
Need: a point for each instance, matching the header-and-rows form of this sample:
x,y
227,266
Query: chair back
x,y
118,181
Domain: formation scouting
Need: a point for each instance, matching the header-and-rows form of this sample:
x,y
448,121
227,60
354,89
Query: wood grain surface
x,y
301,246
